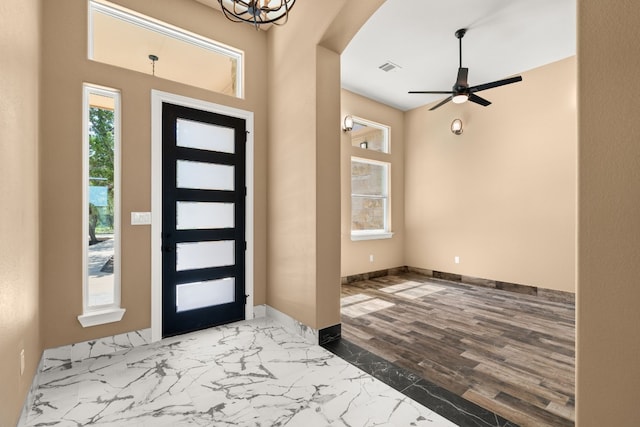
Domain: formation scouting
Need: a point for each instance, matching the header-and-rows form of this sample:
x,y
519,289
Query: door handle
x,y
166,247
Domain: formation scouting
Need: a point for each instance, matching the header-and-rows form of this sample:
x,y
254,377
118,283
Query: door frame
x,y
157,98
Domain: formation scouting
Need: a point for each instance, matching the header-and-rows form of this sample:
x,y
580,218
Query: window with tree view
x,y
101,199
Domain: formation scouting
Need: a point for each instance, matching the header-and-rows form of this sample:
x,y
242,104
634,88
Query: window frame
x,y
386,133
151,24
107,313
386,232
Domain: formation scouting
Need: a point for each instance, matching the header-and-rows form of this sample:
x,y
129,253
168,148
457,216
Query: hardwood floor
x,y
510,353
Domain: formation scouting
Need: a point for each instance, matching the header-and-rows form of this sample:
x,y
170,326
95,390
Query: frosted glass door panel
x,y
204,215
191,296
204,176
204,136
191,256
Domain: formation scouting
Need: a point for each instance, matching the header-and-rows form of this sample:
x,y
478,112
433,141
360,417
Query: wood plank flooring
x,y
510,353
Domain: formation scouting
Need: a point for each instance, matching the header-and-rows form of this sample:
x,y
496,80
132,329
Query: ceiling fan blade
x,y
462,77
444,101
436,92
495,84
479,100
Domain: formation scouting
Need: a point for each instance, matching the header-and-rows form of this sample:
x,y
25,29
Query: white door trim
x,y
157,98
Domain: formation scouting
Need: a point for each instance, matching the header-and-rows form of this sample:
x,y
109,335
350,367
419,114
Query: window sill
x,y
371,236
95,318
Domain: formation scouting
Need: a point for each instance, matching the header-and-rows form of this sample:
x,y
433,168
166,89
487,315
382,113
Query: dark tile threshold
x,y
446,404
332,333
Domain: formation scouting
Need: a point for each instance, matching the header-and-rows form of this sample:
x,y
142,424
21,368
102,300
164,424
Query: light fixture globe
x,y
347,123
257,12
456,126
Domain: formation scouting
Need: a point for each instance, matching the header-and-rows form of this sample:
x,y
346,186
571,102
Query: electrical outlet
x,y
371,258
456,259
22,362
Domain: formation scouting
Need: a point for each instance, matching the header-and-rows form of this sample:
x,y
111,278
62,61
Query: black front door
x,y
203,219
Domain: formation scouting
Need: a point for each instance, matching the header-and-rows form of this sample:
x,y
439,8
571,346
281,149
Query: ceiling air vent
x,y
389,66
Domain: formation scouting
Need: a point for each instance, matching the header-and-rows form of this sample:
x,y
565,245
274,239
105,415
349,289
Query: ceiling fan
x,y
461,92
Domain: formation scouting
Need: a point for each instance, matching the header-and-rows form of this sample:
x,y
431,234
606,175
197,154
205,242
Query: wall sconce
x,y
456,126
347,124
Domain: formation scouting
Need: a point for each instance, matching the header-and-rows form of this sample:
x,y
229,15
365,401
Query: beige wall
x,y
19,211
292,175
608,371
304,137
501,196
387,253
65,68
609,222
327,189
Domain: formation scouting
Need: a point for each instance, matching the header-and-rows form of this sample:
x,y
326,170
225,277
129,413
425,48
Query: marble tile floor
x,y
250,373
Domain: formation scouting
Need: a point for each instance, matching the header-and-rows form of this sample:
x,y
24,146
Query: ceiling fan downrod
x,y
460,34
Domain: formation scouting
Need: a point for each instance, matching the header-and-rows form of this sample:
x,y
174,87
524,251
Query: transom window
x,y
127,39
370,135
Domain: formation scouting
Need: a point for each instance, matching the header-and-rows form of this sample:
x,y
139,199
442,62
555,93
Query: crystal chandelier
x,y
257,12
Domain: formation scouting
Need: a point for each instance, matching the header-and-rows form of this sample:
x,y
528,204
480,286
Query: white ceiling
x,y
504,37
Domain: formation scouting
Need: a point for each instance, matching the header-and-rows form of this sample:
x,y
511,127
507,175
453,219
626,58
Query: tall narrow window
x,y
101,206
370,181
369,199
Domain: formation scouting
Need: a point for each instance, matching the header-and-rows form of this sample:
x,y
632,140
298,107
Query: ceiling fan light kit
x,y
460,98
461,91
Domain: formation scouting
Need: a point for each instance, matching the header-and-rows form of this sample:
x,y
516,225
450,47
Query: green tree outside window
x,y
101,168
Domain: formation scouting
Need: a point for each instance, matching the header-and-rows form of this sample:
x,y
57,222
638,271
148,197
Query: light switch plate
x,y
140,218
